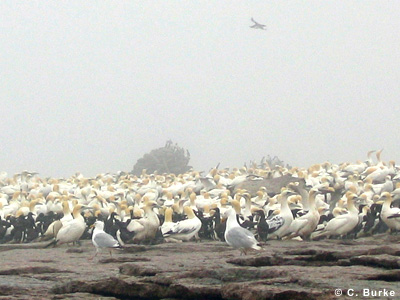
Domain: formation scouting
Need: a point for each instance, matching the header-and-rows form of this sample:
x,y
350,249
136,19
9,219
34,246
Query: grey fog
x,y
92,86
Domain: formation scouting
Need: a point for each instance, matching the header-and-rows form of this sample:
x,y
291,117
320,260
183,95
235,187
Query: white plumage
x,y
101,239
390,215
183,230
238,237
342,224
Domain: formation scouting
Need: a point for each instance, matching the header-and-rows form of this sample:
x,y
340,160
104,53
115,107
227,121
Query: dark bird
x,y
258,25
262,226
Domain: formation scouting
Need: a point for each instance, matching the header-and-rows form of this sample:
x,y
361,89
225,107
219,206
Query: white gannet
x,y
246,211
387,186
342,224
102,239
279,224
55,226
390,215
146,227
396,192
303,226
71,231
168,223
239,237
186,229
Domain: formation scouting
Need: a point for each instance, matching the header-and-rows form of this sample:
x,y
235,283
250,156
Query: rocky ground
x,y
204,270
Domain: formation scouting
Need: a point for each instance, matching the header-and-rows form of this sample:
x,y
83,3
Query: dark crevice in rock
x,y
283,290
80,296
31,270
134,248
382,257
135,270
301,252
255,261
379,261
138,290
320,259
123,259
389,276
9,290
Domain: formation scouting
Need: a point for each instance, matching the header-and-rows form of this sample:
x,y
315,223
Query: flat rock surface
x,y
205,270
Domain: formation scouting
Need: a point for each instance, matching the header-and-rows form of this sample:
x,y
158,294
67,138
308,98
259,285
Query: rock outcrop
x,y
205,270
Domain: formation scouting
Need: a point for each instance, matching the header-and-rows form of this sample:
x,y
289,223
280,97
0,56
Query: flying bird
x,y
258,25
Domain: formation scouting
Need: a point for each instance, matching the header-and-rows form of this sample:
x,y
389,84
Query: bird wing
x,y
135,226
301,213
275,223
257,25
298,224
166,227
70,232
394,213
68,228
185,226
394,216
239,237
336,223
104,240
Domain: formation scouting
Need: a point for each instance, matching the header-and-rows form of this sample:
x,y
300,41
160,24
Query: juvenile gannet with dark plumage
x,y
102,239
237,236
262,225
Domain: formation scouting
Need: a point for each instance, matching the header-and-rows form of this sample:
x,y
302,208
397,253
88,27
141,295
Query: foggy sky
x,y
92,86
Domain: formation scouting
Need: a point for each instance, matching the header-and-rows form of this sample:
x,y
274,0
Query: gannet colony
x,y
244,206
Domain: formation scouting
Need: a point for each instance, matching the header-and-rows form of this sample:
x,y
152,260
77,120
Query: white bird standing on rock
x,y
239,237
102,239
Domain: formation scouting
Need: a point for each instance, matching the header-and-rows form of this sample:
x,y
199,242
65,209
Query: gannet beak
x,y
88,207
